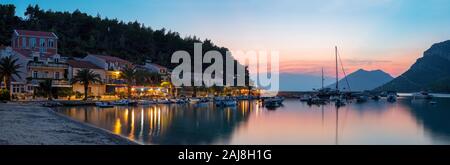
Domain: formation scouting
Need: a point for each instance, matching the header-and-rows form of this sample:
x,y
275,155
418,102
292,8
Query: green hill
x,y
430,72
80,34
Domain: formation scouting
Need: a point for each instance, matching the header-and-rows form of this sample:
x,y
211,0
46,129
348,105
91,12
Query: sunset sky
x,y
371,34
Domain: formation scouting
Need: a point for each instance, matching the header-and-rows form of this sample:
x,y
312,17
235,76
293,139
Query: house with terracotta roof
x,y
37,52
94,89
155,68
36,41
112,66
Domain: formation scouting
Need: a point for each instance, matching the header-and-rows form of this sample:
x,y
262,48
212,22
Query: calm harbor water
x,y
373,122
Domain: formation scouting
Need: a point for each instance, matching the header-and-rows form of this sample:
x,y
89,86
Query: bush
x,y
4,95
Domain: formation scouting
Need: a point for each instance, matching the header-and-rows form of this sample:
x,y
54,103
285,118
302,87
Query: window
x,y
56,75
42,42
56,60
35,74
24,42
42,45
32,42
51,43
35,59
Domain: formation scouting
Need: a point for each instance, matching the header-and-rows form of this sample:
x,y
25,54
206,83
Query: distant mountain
x,y
431,72
361,80
301,82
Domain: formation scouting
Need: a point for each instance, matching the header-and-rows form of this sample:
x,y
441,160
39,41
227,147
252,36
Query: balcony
x,y
55,82
48,65
115,82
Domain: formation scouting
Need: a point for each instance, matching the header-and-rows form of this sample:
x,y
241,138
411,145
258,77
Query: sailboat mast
x,y
337,73
322,78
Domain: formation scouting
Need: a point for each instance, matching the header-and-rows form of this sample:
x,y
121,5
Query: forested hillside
x,y
80,34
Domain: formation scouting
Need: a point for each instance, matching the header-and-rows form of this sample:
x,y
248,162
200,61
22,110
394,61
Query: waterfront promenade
x,y
31,124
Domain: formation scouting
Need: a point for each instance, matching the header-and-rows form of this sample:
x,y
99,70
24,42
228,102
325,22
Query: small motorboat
x,y
175,101
273,101
164,101
146,102
193,100
225,102
104,104
305,98
277,99
316,101
124,102
272,104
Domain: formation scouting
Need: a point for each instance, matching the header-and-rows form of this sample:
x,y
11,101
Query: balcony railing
x,y
114,81
51,65
55,82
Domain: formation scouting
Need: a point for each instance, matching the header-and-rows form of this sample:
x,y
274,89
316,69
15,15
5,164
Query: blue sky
x,y
371,34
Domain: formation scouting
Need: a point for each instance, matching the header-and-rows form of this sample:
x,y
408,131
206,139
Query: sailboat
x,y
338,96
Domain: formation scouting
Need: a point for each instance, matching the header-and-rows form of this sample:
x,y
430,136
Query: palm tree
x,y
129,74
86,77
144,77
9,67
46,88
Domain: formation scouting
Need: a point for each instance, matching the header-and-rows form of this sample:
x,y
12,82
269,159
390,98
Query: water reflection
x,y
404,122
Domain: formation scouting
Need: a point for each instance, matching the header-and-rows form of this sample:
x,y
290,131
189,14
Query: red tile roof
x,y
36,33
112,59
82,64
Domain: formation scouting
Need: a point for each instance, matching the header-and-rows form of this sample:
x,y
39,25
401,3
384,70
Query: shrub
x,y
4,95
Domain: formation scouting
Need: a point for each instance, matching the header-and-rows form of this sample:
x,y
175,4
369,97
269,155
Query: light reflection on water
x,y
403,122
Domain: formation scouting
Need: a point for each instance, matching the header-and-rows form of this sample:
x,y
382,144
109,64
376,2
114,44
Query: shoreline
x,y
29,124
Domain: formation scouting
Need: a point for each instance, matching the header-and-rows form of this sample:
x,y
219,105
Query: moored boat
x,y
422,95
362,99
391,97
146,102
225,102
273,101
164,101
104,104
124,102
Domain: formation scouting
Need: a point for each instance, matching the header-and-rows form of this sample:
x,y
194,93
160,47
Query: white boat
x,y
146,102
193,100
278,100
124,102
102,104
164,101
226,103
174,101
305,98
